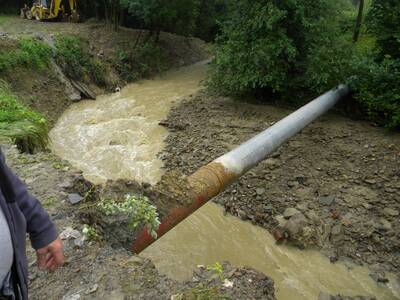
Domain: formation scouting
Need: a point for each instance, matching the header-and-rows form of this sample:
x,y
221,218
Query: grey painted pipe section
x,y
249,154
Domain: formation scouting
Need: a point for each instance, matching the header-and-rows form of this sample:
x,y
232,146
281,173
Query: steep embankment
x,y
114,57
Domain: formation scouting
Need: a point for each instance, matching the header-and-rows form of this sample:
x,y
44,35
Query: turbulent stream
x,y
118,137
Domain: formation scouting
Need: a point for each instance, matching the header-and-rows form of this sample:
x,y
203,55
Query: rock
x,y
379,277
301,179
227,284
260,191
327,200
295,226
92,289
384,224
72,297
290,212
370,181
324,296
70,233
337,233
390,212
74,198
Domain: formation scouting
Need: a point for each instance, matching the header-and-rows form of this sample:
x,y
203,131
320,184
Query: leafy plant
x,y
76,60
139,62
18,124
217,268
30,53
90,233
376,87
137,210
267,45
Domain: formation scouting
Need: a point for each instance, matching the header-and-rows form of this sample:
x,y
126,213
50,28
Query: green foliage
x,y
217,268
139,62
267,44
73,56
90,233
30,53
20,125
376,87
384,21
174,15
138,211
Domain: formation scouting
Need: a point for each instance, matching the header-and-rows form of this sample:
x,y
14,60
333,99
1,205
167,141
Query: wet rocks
x,y
290,212
74,198
325,173
390,212
326,296
327,200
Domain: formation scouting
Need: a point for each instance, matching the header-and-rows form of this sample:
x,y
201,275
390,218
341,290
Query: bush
x,y
139,62
30,53
267,45
76,61
376,87
384,21
137,210
20,125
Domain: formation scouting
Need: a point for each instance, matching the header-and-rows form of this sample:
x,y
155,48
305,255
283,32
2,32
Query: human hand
x,y
50,257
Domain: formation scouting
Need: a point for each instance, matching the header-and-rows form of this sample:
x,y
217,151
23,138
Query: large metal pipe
x,y
213,178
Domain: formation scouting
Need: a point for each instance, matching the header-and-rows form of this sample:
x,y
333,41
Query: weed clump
x,y
30,53
139,62
20,125
137,210
76,61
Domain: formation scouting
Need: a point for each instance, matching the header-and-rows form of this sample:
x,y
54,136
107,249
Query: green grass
x,y
20,125
30,53
73,56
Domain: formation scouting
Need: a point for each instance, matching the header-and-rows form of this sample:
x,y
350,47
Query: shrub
x,y
30,53
383,20
138,211
376,87
139,62
267,44
76,61
20,125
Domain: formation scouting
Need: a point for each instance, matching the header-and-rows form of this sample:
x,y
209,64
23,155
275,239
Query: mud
x,y
94,269
45,92
341,176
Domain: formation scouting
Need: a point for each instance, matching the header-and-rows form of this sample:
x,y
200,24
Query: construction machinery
x,y
46,10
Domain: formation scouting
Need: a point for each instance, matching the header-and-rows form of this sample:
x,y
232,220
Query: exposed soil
x,y
42,89
94,269
334,186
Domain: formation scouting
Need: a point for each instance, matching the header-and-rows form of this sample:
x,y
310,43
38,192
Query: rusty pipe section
x,y
212,179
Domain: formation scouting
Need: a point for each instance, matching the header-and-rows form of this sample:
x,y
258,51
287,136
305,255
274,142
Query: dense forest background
x,y
277,49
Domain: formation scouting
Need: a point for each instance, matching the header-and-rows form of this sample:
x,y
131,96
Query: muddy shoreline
x,y
95,269
341,178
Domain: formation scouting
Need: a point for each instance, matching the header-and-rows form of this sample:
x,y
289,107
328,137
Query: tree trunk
x,y
358,21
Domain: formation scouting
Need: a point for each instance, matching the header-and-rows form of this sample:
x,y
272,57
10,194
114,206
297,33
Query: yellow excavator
x,y
46,10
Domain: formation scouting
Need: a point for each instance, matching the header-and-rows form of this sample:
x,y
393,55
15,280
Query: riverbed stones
x,y
290,212
390,212
74,198
327,200
337,233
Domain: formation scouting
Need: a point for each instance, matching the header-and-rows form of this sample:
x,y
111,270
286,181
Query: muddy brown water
x,y
118,137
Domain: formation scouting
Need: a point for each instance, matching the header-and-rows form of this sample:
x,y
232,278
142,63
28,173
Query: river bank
x,y
334,187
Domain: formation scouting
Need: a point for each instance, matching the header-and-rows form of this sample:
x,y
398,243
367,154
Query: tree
x,y
267,45
384,21
358,20
174,15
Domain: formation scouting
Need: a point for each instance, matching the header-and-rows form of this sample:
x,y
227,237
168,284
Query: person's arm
x,y
43,233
